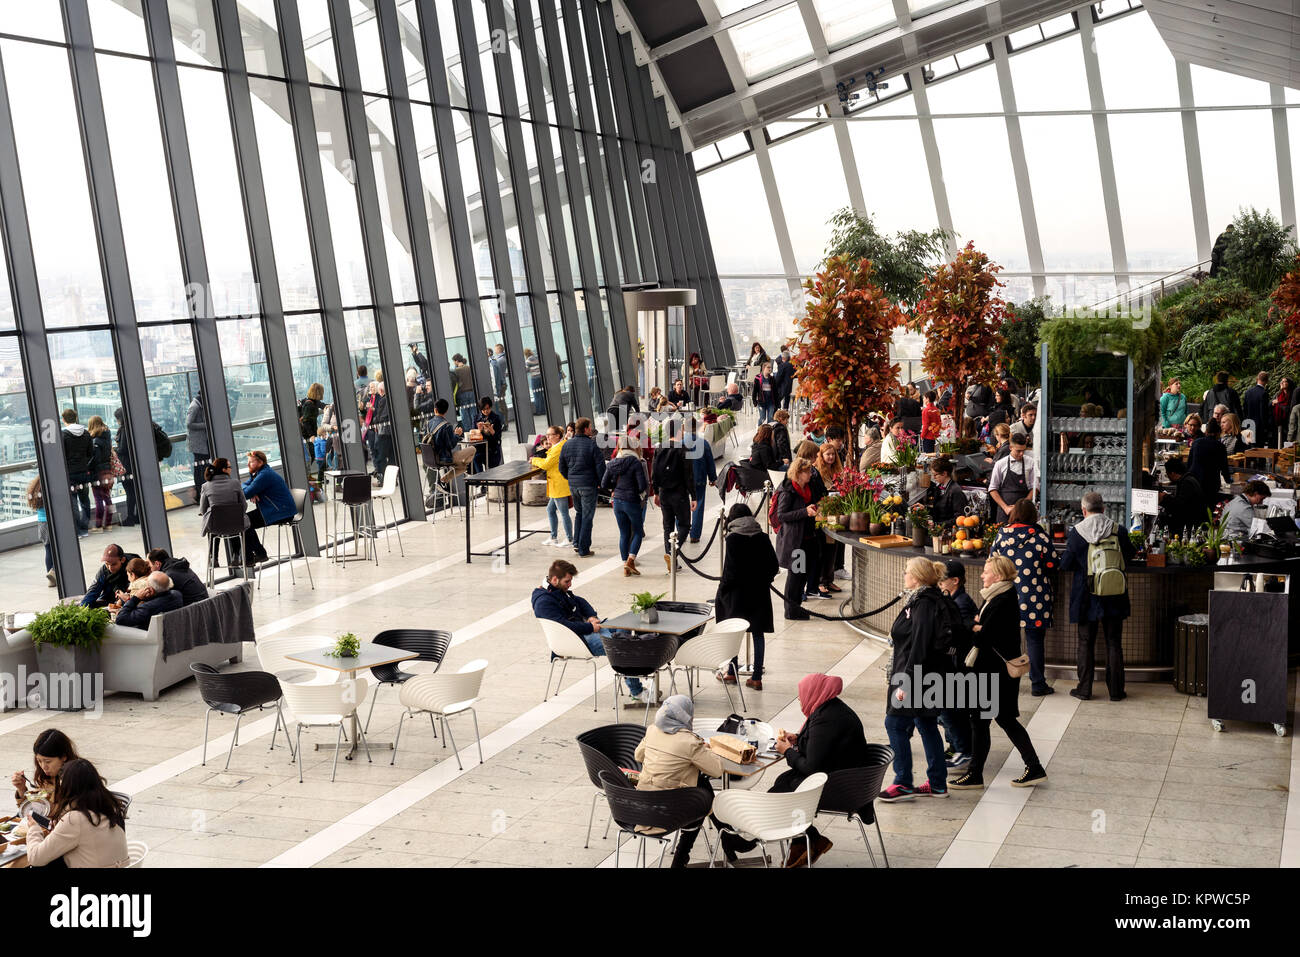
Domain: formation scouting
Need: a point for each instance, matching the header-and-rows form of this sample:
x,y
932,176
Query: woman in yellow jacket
x,y
557,487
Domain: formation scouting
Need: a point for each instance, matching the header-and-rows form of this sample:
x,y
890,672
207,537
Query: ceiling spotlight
x,y
927,74
819,111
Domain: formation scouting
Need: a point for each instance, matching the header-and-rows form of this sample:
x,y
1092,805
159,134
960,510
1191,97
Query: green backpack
x,y
1106,568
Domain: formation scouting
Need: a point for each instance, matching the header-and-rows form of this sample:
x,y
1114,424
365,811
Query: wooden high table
x,y
504,476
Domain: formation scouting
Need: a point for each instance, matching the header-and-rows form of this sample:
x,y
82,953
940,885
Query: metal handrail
x,y
1166,284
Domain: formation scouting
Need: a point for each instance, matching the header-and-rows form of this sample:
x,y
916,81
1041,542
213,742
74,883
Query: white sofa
x,y
132,658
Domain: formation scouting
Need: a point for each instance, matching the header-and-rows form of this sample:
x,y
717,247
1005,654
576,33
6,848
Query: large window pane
x,y
23,564
893,170
341,196
1137,68
318,41
1050,77
54,183
248,387
435,202
1066,184
284,201
771,42
740,225
85,380
261,35
810,182
221,205
171,376
140,172
1239,160
760,310
981,187
117,25
392,209
41,20
1154,203
194,32
844,21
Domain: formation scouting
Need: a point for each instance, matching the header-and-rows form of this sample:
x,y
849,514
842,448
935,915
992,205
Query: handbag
x,y
731,724
1016,667
115,466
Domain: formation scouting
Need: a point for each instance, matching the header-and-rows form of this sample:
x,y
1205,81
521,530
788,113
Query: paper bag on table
x,y
732,748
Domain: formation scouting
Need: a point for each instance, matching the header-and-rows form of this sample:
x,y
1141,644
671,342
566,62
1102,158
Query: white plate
x,y
38,805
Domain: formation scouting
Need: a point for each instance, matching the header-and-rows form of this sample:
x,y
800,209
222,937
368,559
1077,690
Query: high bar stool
x,y
226,524
293,525
385,497
360,505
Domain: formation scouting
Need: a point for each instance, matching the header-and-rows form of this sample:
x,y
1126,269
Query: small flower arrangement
x,y
858,490
347,646
920,516
881,508
907,451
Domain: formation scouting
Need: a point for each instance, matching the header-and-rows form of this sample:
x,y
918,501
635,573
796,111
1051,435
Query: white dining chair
x,y
321,706
273,656
384,496
443,696
136,851
765,817
713,649
566,647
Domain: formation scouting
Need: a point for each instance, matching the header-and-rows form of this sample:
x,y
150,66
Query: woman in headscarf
x,y
748,567
674,756
830,740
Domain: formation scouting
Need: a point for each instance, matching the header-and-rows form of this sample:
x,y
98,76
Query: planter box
x,y
534,492
62,670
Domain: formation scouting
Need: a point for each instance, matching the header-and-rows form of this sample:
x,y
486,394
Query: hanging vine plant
x,y
1073,339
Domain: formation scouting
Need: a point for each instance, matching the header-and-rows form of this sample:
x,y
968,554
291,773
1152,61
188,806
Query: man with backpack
x,y
1098,551
672,482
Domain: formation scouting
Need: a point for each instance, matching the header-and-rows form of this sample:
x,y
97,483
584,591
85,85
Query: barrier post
x,y
672,567
767,492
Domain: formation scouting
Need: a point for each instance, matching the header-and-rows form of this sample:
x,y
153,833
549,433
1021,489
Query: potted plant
x,y
67,639
858,490
906,453
880,512
1216,536
834,511
347,646
643,603
922,525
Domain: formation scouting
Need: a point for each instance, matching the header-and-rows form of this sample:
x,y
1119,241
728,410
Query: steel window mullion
x,y
185,203
275,338
646,164
569,321
626,358
408,162
372,237
493,212
521,188
453,185
306,143
567,132
34,351
627,139
663,182
1105,155
715,282
934,164
124,332
1282,144
1192,149
714,314
600,73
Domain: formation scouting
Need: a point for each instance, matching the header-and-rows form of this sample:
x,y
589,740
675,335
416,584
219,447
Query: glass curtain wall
x,y
970,177
193,268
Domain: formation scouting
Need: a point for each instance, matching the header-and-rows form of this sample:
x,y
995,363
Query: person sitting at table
x,y
50,754
178,570
1184,507
830,740
871,450
1192,426
110,578
442,433
221,488
677,394
673,756
733,401
149,596
136,569
1243,509
491,425
762,453
88,826
944,498
556,602
270,493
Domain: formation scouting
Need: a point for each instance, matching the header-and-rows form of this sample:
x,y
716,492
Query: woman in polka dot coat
x,y
1028,546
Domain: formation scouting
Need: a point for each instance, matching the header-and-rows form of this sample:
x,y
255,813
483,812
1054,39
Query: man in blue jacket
x,y
155,599
583,464
556,602
705,472
270,493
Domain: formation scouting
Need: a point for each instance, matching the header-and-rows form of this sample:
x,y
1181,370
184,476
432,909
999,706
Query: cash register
x,y
1281,540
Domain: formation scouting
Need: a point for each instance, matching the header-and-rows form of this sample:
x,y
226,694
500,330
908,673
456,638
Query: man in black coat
x,y
1220,248
1184,507
79,455
748,568
1207,459
184,581
782,378
1091,611
1220,394
1257,404
110,579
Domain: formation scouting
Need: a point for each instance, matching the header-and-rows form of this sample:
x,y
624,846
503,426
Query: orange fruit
x,y
960,536
976,543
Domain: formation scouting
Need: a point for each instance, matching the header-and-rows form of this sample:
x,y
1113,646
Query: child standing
x,y
320,450
764,396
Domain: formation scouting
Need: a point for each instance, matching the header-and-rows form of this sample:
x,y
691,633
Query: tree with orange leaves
x,y
961,316
1286,306
841,347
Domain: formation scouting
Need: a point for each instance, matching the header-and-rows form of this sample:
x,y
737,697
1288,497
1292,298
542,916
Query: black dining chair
x,y
226,524
852,792
237,693
687,608
637,657
671,811
611,747
430,645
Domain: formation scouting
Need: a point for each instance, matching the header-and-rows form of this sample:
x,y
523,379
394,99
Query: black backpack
x,y
161,442
670,469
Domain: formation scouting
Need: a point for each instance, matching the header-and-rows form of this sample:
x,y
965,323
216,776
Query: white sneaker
x,y
647,697
566,544
843,574
551,541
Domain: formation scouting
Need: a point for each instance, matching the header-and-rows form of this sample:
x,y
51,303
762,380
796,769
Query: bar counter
x,y
1158,597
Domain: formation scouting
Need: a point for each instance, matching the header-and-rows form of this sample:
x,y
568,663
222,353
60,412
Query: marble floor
x,y
1143,783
